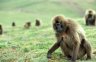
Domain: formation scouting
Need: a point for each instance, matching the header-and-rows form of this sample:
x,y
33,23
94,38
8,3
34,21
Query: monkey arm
x,y
53,48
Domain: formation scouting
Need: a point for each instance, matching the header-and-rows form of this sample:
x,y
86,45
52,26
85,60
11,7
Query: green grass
x,y
22,45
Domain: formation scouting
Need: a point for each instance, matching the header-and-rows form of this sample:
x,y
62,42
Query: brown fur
x,y
1,30
27,25
90,17
37,22
72,40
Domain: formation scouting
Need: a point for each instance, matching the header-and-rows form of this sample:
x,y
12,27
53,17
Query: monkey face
x,y
59,27
89,15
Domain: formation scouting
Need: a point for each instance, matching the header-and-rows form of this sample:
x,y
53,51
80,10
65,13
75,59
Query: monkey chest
x,y
67,41
68,44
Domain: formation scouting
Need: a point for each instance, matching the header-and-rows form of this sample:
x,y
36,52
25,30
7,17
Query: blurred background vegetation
x,y
21,45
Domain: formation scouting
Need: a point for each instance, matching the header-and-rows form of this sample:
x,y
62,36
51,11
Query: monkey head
x,y
28,23
90,12
59,24
0,26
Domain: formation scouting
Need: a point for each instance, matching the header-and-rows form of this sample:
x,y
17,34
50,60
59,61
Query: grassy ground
x,y
21,45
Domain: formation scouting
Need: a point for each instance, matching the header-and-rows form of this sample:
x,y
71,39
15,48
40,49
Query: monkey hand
x,y
49,56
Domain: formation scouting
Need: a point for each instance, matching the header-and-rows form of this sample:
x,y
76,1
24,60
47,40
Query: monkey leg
x,y
66,50
87,47
81,52
93,22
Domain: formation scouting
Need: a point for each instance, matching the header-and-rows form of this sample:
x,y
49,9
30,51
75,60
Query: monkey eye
x,y
57,21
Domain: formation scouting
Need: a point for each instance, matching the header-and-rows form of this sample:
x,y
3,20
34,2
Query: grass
x,y
22,45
